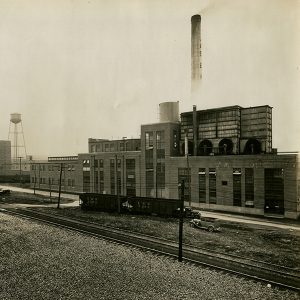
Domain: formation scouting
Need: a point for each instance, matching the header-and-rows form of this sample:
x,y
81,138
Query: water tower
x,y
16,136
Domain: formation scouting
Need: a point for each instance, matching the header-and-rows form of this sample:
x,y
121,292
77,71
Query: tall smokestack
x,y
196,51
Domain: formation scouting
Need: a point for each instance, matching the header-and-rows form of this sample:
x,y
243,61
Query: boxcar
x,y
134,205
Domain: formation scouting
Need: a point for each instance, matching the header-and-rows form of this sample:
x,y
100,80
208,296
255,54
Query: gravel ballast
x,y
43,262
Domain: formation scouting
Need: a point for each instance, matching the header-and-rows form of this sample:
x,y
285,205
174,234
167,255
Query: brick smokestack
x,y
196,52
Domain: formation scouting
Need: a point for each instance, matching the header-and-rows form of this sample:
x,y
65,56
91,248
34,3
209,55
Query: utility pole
x,y
59,191
117,185
93,169
181,221
50,189
186,150
189,178
118,194
156,185
20,157
34,178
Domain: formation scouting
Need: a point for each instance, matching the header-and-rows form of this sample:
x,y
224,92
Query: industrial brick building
x,y
224,156
226,161
5,156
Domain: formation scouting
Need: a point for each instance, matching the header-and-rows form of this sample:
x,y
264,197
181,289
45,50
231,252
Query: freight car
x,y
129,204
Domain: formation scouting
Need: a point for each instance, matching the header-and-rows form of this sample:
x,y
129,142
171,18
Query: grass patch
x,y
273,245
269,244
25,198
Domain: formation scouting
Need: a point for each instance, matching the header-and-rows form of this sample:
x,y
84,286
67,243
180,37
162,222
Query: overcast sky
x,y
80,69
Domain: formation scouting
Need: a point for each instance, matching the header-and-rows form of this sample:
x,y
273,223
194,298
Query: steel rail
x,y
164,247
277,268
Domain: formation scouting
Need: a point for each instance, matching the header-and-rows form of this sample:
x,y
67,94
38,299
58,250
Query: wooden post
x,y
34,179
181,221
59,191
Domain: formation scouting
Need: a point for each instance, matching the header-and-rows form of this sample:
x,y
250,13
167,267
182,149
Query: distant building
x,y
224,156
5,156
45,174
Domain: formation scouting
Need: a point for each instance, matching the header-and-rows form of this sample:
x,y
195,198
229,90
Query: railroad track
x,y
273,274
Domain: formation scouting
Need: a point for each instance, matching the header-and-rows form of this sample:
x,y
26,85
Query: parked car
x,y
210,224
4,192
188,212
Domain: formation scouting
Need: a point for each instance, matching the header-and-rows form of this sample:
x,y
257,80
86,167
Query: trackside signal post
x,y
181,220
59,191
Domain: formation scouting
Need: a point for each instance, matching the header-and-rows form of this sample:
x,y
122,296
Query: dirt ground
x,y
44,262
274,245
264,243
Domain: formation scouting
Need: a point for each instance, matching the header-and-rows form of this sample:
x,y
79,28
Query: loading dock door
x,y
274,191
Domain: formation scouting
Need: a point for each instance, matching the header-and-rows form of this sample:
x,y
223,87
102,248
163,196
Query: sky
x,y
99,69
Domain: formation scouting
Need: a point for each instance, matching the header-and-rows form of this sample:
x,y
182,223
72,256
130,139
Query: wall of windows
x,y
86,175
274,190
160,144
112,176
149,164
237,187
202,185
249,187
212,183
149,183
130,177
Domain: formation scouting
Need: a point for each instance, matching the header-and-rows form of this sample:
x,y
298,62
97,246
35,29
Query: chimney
x,y
196,51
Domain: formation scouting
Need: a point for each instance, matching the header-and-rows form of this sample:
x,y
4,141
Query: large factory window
x,y
112,177
96,182
149,159
274,191
160,144
122,146
119,184
149,150
212,185
149,140
101,163
202,185
160,179
96,163
249,187
237,187
149,183
130,177
101,181
86,181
